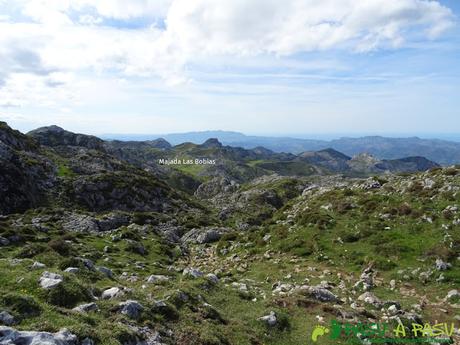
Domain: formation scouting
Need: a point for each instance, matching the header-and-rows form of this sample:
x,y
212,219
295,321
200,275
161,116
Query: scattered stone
x,y
80,223
270,319
111,293
113,221
441,265
371,183
192,272
369,297
240,286
88,263
131,308
85,308
155,279
424,277
50,280
209,236
319,294
72,269
212,278
366,280
392,309
10,336
87,341
37,265
282,288
105,270
453,294
6,318
392,284
204,235
441,278
4,241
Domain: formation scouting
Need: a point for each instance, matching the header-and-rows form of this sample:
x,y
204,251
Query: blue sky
x,y
258,67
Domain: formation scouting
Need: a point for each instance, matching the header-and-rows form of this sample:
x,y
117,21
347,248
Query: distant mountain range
x,y
50,165
443,152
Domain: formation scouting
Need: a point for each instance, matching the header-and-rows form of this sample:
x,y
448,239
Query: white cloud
x,y
72,36
244,27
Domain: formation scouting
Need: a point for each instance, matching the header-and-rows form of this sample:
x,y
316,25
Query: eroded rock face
x,y
215,186
10,336
80,223
25,174
88,223
57,136
120,191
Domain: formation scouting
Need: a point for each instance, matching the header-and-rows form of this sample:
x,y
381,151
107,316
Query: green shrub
x,y
384,264
30,250
320,219
136,247
61,247
450,171
20,306
67,294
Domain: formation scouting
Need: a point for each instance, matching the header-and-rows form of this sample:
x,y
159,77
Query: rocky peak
x,y
212,142
15,139
57,136
160,143
333,154
365,158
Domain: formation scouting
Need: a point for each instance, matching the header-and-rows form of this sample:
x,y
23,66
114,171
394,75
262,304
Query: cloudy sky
x,y
256,66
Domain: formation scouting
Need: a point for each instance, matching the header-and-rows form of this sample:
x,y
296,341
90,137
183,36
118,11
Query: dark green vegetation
x,y
207,251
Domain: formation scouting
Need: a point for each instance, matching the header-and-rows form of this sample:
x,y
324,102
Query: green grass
x,y
314,238
65,171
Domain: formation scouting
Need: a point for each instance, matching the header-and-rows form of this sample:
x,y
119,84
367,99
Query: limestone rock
x,y
131,308
10,336
37,266
155,279
106,271
6,318
85,308
192,272
269,319
50,280
111,293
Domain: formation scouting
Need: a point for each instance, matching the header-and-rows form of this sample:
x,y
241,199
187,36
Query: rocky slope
x,y
53,167
109,253
363,163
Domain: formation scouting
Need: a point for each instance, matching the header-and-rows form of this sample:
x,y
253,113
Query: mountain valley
x,y
101,244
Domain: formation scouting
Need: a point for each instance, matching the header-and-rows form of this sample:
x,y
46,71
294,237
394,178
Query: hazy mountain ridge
x,y
444,152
